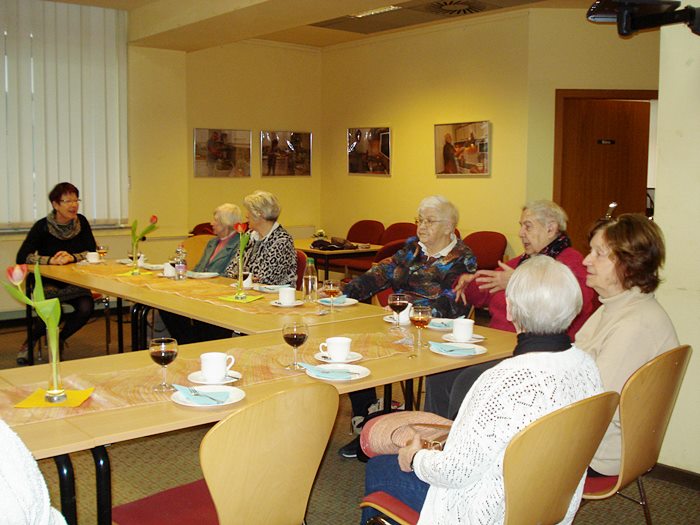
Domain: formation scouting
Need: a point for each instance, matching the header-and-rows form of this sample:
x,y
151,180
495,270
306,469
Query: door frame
x,y
562,95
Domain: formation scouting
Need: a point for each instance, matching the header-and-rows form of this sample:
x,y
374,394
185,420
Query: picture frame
x,y
463,149
369,151
222,152
285,153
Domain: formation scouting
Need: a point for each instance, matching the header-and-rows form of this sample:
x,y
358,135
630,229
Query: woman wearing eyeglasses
x,y
426,269
63,237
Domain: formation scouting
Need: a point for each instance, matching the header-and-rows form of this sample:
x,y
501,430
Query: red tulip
x,y
154,219
240,227
16,273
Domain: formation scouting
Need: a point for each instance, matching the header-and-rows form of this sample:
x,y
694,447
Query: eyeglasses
x,y
427,222
76,201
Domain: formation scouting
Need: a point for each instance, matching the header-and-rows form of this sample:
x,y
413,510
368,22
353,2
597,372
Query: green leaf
x,y
38,285
15,292
49,310
134,225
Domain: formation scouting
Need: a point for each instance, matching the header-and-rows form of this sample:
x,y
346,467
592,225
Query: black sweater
x,y
40,241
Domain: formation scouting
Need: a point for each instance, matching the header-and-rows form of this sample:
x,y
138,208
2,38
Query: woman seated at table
x,y
542,231
217,254
463,483
631,327
270,255
426,269
63,237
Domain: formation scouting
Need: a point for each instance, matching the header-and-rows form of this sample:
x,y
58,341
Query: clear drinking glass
x,y
420,318
163,351
102,249
295,335
331,288
398,303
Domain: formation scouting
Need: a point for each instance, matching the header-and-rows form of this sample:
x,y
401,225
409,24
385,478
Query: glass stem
x,y
165,375
295,364
420,337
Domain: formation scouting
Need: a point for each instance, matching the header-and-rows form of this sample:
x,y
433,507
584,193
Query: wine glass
x,y
102,249
331,288
420,318
295,334
398,303
163,351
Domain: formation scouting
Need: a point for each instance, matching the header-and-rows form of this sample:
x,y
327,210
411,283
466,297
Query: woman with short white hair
x,y
463,483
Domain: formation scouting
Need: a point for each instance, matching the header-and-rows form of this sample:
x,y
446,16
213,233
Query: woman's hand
x,y
406,453
492,280
460,288
61,258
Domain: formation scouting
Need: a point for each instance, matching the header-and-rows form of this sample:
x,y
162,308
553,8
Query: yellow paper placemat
x,y
232,298
127,274
74,398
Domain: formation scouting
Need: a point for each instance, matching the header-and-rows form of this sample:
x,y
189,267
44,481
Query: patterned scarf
x,y
553,249
62,231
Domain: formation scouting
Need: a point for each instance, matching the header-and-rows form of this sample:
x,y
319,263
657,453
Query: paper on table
x,y
168,270
232,298
324,372
74,398
126,274
221,397
405,316
444,348
336,300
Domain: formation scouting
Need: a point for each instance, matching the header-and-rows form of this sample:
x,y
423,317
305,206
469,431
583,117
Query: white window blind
x,y
62,109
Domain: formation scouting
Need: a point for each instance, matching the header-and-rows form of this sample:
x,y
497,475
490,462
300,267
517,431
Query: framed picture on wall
x,y
463,149
369,151
222,152
285,153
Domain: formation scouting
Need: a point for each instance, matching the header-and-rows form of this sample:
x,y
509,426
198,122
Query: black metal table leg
x,y
143,326
103,478
408,402
66,483
120,326
135,308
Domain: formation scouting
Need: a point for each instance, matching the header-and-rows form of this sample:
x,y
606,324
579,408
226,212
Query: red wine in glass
x,y
295,339
163,351
398,303
295,335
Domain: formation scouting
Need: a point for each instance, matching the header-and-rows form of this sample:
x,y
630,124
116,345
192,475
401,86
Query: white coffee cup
x,y
92,257
462,330
287,296
215,365
336,348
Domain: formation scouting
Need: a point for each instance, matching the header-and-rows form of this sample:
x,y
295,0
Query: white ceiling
x,y
191,25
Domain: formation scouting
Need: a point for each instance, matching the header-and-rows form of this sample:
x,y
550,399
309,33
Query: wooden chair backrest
x,y
646,405
260,462
545,461
195,248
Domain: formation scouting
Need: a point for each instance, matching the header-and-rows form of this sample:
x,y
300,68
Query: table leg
x,y
66,483
135,329
103,478
120,326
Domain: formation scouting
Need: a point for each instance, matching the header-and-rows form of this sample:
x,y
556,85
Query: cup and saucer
x,y
198,377
474,338
352,357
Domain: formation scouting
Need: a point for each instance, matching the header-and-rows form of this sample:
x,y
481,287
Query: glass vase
x,y
240,294
135,270
55,393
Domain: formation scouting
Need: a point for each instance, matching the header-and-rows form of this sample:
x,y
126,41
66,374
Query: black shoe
x,y
350,450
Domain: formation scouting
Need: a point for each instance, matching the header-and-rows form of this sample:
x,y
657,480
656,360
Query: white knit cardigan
x,y
24,498
466,478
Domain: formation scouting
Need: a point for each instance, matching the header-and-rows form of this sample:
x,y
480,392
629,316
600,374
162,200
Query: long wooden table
x,y
123,406
199,299
327,255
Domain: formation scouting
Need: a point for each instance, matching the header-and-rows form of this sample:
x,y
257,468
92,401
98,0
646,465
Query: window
x,y
62,109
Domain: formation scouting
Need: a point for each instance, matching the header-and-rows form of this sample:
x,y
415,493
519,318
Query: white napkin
x,y
168,270
405,316
142,259
248,282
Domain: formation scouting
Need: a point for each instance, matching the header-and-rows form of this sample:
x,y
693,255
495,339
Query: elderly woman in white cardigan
x,y
464,482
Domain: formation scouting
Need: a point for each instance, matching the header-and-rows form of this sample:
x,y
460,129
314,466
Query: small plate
x,y
356,369
149,266
202,275
198,377
352,357
476,338
124,261
392,320
347,302
478,350
276,302
269,288
440,325
234,396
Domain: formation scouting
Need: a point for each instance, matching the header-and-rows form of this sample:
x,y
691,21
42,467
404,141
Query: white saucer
x,y
276,302
198,377
352,357
476,338
269,288
234,396
202,275
392,320
347,302
361,372
477,350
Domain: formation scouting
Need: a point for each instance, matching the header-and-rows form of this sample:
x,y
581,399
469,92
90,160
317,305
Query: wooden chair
x,y
542,467
259,464
646,405
195,246
488,247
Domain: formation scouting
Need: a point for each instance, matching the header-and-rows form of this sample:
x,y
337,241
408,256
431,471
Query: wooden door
x,y
601,155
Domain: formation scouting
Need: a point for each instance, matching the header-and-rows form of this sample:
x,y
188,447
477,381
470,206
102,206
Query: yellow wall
x,y
678,185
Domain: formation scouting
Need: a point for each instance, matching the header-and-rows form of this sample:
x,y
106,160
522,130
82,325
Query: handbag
x,y
388,433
